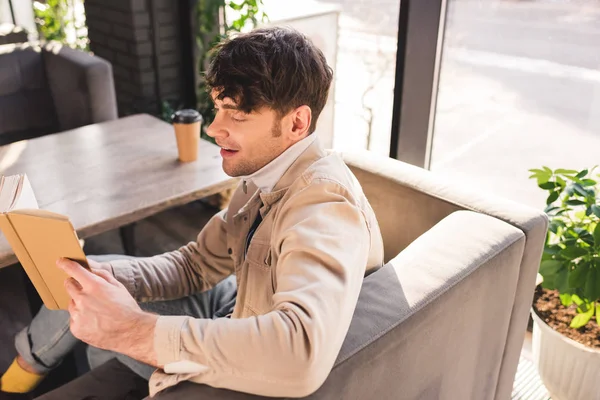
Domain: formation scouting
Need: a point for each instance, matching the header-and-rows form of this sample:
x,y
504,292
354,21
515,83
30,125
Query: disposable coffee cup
x,y
187,125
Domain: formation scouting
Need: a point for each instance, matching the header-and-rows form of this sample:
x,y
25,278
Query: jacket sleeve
x,y
322,240
193,268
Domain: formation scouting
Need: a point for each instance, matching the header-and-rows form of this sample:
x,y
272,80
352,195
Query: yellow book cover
x,y
38,238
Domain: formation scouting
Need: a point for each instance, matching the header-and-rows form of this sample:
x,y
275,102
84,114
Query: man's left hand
x,y
104,315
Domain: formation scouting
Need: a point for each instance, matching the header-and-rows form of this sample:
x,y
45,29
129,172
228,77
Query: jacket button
x,y
229,251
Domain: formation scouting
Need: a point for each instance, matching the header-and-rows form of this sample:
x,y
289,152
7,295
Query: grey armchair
x,y
445,318
51,88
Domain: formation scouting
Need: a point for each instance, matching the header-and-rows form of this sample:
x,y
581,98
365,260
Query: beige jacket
x,y
297,285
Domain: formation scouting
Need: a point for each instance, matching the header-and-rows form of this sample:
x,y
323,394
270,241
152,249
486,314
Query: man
x,y
262,301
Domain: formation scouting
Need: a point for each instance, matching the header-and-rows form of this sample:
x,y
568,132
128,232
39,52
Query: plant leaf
x,y
566,299
552,249
573,252
537,171
565,171
588,182
582,173
569,190
577,300
548,185
575,202
580,190
587,238
592,285
597,235
547,257
578,275
552,198
549,270
582,318
550,209
550,267
549,282
561,280
570,241
541,175
596,211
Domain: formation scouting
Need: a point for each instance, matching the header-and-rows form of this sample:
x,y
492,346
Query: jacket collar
x,y
313,153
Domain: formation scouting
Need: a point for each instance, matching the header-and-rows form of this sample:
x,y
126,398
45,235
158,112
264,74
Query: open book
x,y
38,239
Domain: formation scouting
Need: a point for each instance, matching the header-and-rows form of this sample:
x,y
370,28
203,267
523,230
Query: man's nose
x,y
216,128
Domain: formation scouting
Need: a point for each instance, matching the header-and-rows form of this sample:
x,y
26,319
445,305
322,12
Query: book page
x,y
8,189
25,197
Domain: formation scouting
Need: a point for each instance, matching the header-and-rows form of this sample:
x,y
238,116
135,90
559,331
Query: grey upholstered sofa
x,y
50,88
446,317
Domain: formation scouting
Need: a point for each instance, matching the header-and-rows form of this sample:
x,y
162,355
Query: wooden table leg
x,y
127,233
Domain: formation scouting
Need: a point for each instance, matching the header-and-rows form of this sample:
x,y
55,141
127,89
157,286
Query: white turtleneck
x,y
267,177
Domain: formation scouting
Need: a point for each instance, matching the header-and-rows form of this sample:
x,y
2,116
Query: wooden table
x,y
108,175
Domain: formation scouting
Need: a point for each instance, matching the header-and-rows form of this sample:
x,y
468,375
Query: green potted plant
x,y
566,309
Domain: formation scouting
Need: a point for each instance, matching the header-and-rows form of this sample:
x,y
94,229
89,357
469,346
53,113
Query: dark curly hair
x,y
276,67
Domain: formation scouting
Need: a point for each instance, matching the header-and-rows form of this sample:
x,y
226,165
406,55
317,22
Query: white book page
x,y
26,197
8,188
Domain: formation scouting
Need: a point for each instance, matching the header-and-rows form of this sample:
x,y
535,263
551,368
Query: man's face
x,y
248,141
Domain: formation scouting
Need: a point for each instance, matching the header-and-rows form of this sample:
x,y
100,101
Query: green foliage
x,y
571,262
61,21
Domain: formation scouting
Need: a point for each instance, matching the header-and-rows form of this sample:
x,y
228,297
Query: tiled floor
x,y
528,385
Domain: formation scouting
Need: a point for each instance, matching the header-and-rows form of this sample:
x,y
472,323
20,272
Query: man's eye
x,y
237,118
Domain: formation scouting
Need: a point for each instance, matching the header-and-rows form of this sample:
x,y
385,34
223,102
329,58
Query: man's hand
x,y
96,266
104,315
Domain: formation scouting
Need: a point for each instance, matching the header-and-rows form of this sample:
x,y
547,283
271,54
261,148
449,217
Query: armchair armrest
x,y
81,85
415,199
433,322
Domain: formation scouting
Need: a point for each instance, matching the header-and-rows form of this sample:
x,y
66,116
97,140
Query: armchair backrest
x,y
403,213
48,88
26,105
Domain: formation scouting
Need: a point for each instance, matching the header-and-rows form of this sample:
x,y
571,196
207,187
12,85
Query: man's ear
x,y
300,120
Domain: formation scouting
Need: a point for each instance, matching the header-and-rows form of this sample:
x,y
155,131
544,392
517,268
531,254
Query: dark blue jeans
x,y
47,340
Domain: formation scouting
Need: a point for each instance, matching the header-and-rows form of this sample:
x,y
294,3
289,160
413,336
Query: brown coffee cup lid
x,y
187,116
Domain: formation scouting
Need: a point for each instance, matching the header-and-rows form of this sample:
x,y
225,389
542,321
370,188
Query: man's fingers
x,y
72,307
94,264
107,276
73,288
74,270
